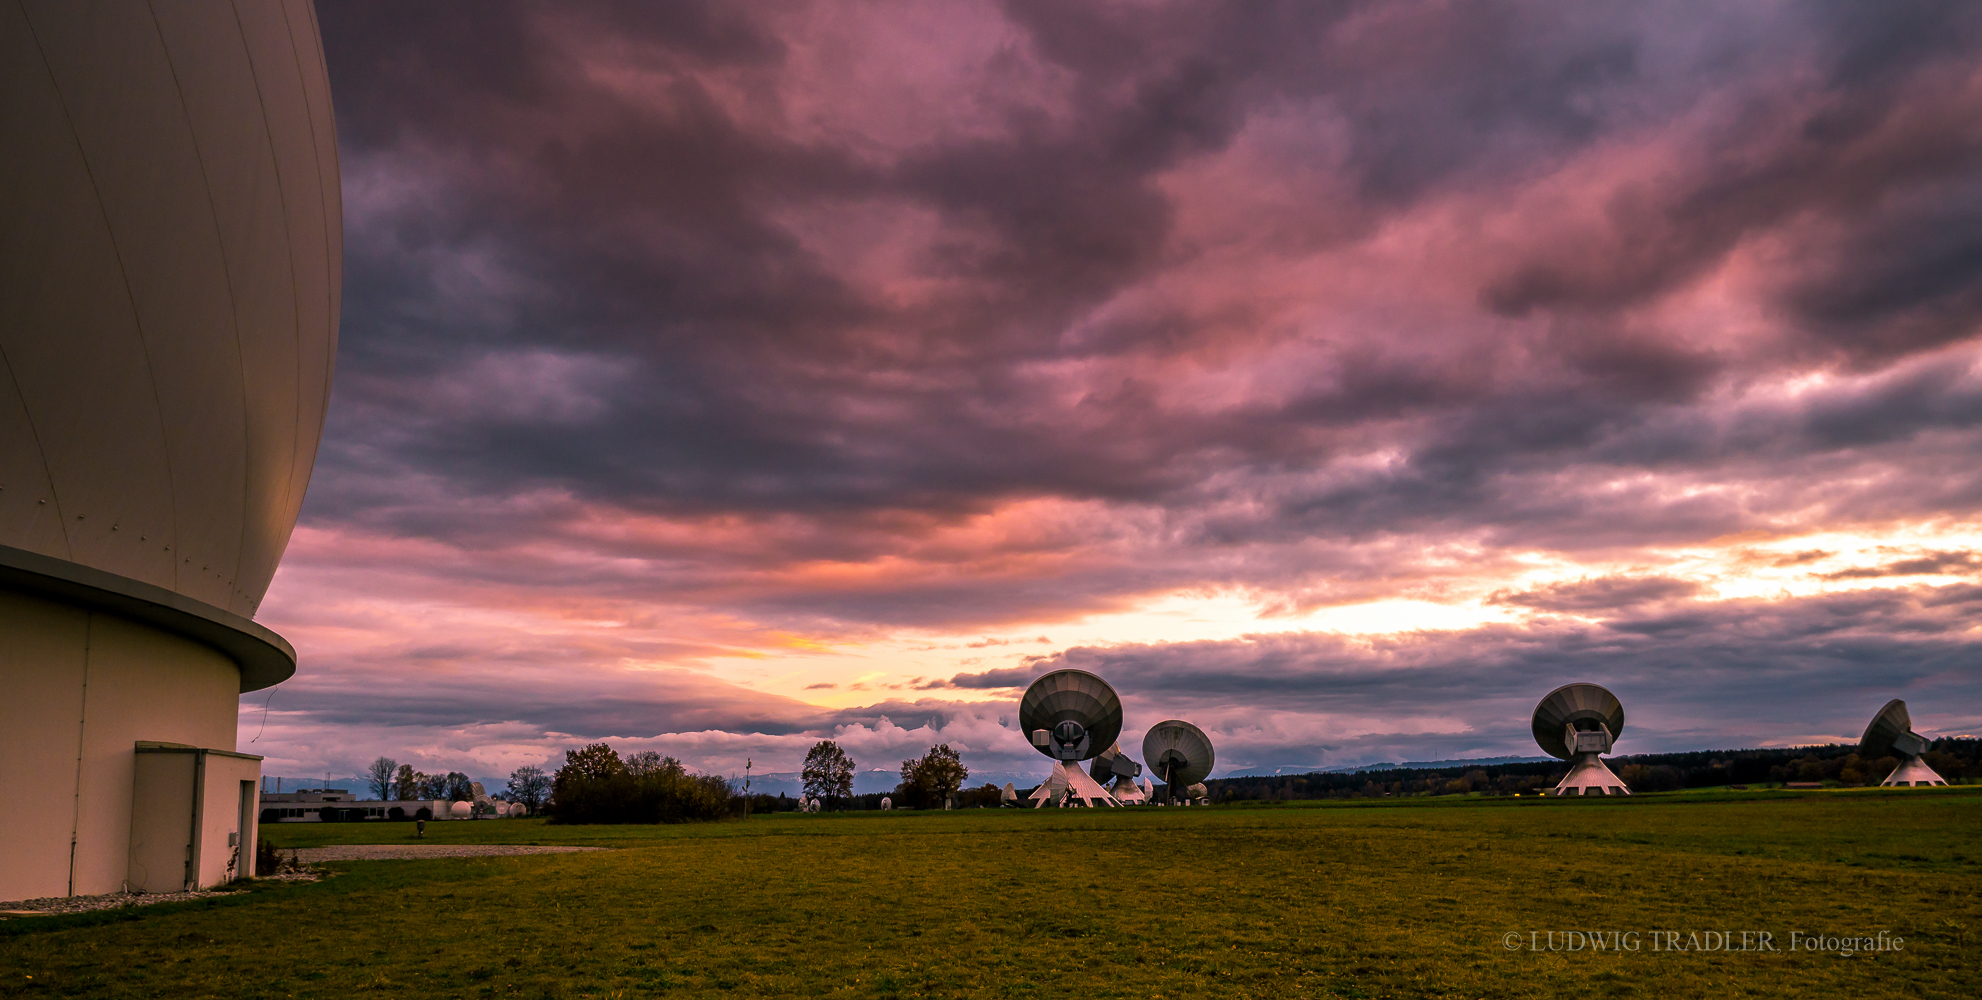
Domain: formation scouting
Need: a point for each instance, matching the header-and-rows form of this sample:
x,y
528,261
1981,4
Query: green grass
x,y
1405,898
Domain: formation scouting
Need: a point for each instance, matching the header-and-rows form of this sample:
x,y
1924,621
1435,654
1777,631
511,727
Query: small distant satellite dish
x,y
1579,722
1891,733
1070,715
887,803
1179,754
1010,796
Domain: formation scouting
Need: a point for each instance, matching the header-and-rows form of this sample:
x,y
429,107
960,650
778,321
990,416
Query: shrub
x,y
267,858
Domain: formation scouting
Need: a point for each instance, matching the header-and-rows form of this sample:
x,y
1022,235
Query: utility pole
x,y
746,787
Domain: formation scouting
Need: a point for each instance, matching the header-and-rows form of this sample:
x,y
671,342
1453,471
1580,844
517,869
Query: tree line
x,y
389,780
1957,760
598,785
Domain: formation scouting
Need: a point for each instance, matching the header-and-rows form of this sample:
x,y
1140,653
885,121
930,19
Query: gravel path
x,y
111,901
405,852
115,900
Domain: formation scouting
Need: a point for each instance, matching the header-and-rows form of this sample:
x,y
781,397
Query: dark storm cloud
x,y
641,229
835,320
1753,671
637,705
1607,594
1933,563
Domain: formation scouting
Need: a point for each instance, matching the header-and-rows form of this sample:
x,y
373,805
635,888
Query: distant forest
x,y
1838,765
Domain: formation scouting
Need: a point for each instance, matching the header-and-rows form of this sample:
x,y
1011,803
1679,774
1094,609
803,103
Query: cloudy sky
x,y
1340,377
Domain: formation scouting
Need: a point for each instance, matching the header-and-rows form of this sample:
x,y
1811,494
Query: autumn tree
x,y
828,771
929,780
594,763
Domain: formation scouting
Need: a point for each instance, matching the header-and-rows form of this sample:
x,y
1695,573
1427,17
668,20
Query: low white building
x,y
308,805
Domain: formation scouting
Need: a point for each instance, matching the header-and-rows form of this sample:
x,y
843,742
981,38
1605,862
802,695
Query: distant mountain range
x,y
1466,762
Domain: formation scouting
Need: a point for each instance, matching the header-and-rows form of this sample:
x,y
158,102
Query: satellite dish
x,y
1070,715
1891,732
1179,753
1113,763
1579,723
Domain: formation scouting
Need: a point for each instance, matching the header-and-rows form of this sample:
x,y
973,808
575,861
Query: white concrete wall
x,y
80,690
41,669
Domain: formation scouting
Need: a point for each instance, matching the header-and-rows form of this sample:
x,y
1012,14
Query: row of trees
x,y
390,780
927,781
597,785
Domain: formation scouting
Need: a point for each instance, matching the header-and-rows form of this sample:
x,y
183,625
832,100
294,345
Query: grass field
x,y
1411,898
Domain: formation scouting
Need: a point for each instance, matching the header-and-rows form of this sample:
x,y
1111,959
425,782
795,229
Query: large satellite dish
x,y
1179,754
1891,732
1579,723
1070,715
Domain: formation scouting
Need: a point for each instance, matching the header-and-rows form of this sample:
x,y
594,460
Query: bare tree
x,y
379,776
529,785
407,784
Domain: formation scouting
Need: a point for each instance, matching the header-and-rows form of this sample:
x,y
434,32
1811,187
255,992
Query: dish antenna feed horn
x,y
1578,723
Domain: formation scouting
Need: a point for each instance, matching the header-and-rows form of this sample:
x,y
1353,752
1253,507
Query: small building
x,y
308,805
